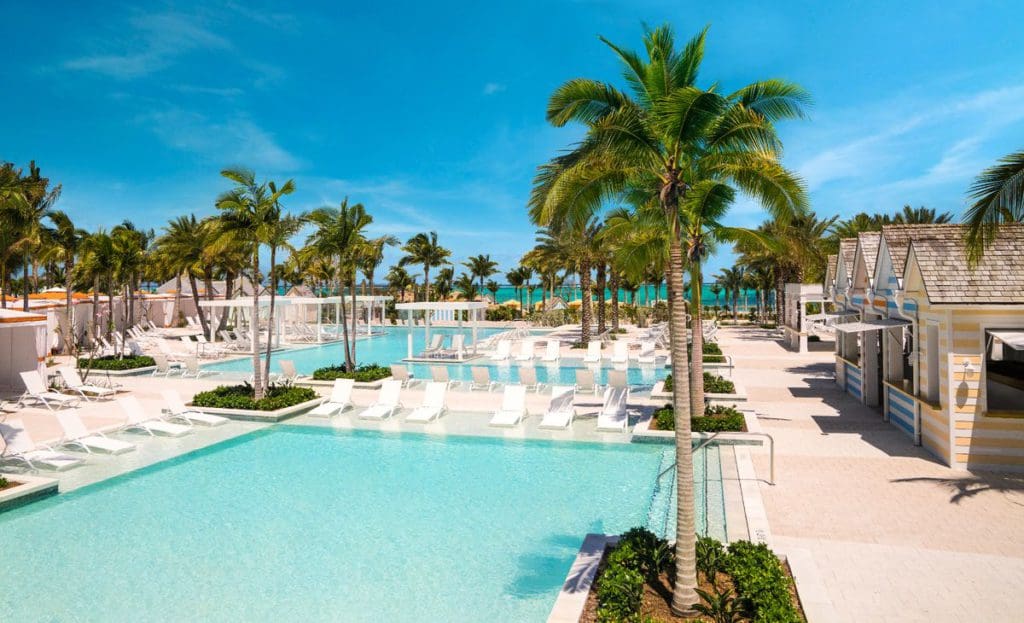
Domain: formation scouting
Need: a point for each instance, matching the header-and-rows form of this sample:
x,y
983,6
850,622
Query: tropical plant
x,y
516,279
493,287
467,286
998,195
67,239
373,256
481,267
424,249
732,281
683,151
443,282
250,214
399,281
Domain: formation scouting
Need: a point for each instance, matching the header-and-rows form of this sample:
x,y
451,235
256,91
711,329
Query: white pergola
x,y
244,303
474,309
368,303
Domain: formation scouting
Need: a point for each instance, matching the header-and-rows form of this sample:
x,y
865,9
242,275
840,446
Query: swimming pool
x,y
392,348
297,523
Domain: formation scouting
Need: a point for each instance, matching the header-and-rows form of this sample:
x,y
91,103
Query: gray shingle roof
x,y
898,237
998,279
830,270
868,241
847,249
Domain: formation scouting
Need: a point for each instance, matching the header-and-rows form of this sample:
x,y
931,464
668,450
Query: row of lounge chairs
x,y
560,413
586,379
18,446
620,351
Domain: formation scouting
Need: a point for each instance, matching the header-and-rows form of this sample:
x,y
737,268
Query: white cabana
x,y
241,307
23,346
370,305
796,322
442,309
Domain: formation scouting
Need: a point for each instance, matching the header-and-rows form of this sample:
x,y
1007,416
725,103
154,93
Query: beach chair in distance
x,y
620,352
646,352
434,404
401,373
593,352
19,447
73,381
528,379
526,348
560,411
339,400
552,351
481,378
76,435
614,416
503,351
137,419
36,390
178,410
585,381
388,401
513,407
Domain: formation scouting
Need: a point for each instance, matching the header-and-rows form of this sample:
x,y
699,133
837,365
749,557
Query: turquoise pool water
x,y
391,348
300,523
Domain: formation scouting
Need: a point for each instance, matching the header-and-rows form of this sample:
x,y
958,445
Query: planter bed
x,y
646,432
230,401
24,489
358,384
252,415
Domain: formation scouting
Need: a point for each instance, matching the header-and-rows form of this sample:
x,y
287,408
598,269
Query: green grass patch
x,y
363,374
112,362
241,397
716,419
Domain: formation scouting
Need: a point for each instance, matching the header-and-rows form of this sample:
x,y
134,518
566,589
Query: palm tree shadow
x,y
543,570
972,486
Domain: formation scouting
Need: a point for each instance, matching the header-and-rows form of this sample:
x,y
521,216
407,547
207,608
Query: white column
x,y
408,337
476,320
319,322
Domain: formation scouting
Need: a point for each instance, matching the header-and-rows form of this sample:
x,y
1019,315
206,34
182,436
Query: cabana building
x,y
23,346
938,345
470,312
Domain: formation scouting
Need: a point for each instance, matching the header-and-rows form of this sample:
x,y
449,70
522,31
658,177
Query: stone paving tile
x,y
895,534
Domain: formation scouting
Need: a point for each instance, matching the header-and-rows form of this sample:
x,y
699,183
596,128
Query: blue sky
x,y
432,113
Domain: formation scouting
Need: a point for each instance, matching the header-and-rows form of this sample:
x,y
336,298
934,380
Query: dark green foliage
x,y
3,482
713,384
716,419
619,594
762,586
363,374
501,313
710,558
112,362
653,556
720,607
241,397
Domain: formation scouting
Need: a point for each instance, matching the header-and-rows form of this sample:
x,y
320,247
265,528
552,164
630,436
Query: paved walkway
x,y
894,534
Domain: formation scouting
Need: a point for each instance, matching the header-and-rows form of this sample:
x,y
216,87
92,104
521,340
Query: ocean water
x,y
301,523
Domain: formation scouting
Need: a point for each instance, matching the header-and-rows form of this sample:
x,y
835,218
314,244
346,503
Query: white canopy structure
x,y
242,305
23,346
443,309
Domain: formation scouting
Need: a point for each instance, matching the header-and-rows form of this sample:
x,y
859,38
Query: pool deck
x,y
893,534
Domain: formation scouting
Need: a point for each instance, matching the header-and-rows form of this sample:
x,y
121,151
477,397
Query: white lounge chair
x,y
552,351
439,374
164,367
585,381
401,373
457,349
340,399
136,419
593,352
178,410
76,435
613,416
435,346
646,352
288,371
560,411
35,389
617,379
513,407
193,369
620,352
528,379
74,382
18,447
503,351
388,401
481,378
526,348
434,404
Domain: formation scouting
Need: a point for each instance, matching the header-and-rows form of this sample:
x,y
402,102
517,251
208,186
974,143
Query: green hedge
x,y
716,419
639,554
713,384
363,374
112,362
241,397
761,584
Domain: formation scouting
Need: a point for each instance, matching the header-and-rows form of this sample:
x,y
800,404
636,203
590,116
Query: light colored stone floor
x,y
895,535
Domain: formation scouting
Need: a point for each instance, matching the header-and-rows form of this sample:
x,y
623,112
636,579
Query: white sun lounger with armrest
x,y
526,348
340,399
137,419
439,374
613,416
646,352
73,381
620,352
481,378
585,381
19,447
513,407
434,404
178,410
593,352
76,435
502,351
560,411
435,346
35,389
552,351
528,378
388,401
401,374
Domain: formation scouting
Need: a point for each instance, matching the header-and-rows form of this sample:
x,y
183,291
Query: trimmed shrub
x,y
364,374
241,397
761,583
716,419
620,592
112,362
713,384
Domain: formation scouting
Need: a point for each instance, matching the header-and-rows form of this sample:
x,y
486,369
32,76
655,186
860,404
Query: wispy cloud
x,y
214,91
493,88
156,40
237,140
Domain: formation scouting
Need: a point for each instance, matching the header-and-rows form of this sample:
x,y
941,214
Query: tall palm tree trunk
x,y
254,328
614,283
195,301
355,317
229,291
697,329
586,313
601,284
95,330
684,593
24,284
71,339
270,316
426,282
344,328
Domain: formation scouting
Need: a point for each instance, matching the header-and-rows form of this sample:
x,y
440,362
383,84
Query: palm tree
x,y
493,287
28,217
399,281
443,282
373,256
683,149
339,234
715,291
731,280
481,267
250,213
921,216
467,286
181,248
516,279
96,266
424,249
130,246
998,195
66,240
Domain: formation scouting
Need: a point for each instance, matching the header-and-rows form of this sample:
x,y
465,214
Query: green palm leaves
x,y
998,195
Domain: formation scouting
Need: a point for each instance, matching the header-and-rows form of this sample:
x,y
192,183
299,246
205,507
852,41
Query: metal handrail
x,y
705,442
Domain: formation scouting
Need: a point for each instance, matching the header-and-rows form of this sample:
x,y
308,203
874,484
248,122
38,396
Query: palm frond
x,y
998,195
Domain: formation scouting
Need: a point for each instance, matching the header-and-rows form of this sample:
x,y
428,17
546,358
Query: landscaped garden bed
x,y
716,419
741,582
238,401
7,484
713,384
114,364
717,390
367,373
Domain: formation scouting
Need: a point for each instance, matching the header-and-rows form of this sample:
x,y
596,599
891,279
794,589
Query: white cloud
x,y
492,88
214,91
